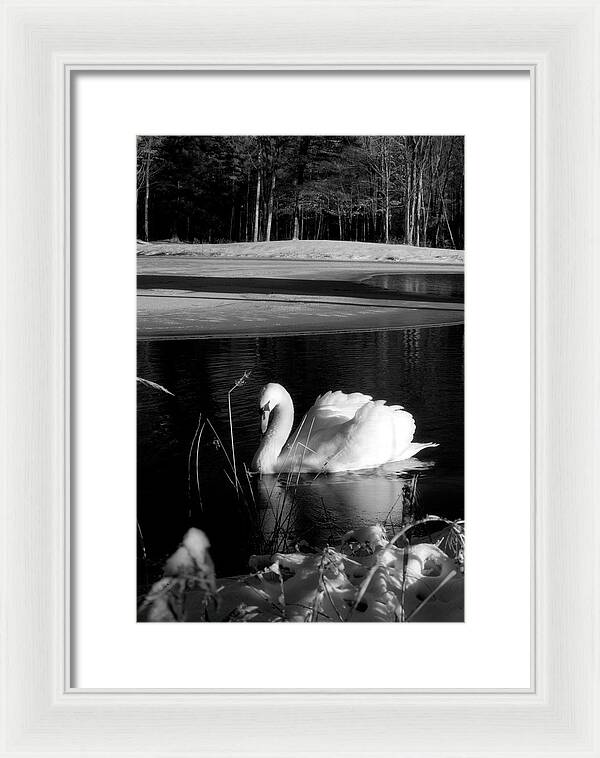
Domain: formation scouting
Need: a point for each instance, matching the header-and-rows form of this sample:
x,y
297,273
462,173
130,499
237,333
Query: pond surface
x,y
421,369
418,286
447,288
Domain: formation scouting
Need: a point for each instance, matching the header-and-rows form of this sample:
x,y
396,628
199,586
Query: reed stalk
x,y
153,385
191,453
239,383
142,543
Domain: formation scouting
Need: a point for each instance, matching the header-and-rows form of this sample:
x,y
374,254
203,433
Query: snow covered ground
x,y
305,250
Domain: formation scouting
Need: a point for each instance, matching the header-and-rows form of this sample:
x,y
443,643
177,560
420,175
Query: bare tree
x,y
148,165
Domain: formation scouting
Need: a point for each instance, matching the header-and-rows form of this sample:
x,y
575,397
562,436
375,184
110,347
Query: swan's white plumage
x,y
340,432
333,408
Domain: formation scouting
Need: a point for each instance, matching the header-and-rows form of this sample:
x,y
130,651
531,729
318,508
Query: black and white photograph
x,y
300,378
298,328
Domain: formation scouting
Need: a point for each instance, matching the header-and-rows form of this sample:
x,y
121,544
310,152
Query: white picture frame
x,y
44,44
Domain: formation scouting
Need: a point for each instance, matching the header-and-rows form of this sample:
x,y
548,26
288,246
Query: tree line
x,y
405,189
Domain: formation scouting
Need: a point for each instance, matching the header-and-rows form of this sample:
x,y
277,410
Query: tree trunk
x,y
147,197
303,146
385,158
414,199
387,212
175,226
442,191
257,206
419,204
270,206
448,224
248,206
408,162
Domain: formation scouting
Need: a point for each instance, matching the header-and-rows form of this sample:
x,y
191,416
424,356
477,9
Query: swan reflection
x,y
319,509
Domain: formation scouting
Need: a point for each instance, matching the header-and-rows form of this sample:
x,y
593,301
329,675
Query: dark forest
x,y
406,189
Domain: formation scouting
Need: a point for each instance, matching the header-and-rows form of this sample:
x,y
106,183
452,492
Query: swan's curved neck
x,y
281,420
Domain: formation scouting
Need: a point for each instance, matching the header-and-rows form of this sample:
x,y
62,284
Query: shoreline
x,y
302,250
195,298
156,337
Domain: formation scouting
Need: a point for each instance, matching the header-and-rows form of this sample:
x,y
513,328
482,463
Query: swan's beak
x,y
264,418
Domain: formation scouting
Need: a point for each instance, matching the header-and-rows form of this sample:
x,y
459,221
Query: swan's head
x,y
271,396
276,420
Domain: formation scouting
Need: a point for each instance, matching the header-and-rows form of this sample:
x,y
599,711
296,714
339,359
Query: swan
x,y
340,432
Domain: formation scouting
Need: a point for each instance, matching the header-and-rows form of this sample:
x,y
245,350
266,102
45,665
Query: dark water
x,y
448,288
421,369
